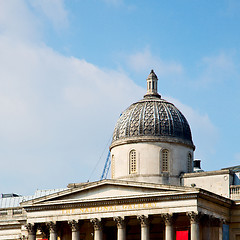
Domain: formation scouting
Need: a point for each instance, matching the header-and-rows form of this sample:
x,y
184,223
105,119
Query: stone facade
x,y
149,210
148,162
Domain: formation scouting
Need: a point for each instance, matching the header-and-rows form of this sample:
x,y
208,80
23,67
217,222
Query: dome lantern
x,y
152,85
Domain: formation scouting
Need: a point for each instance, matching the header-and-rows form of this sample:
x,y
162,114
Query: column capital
x,y
74,225
194,217
168,218
144,220
52,227
31,228
97,225
120,221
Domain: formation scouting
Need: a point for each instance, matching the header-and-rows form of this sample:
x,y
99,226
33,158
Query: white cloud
x,y
57,112
51,102
54,10
204,133
17,22
145,60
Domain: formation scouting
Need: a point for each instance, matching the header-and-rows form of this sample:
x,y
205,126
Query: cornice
x,y
140,139
209,173
112,201
10,226
215,198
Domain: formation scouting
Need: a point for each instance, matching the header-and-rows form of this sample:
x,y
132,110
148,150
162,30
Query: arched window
x,y
165,160
113,166
189,162
132,162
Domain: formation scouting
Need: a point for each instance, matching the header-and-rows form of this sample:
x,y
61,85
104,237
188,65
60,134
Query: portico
x,y
157,214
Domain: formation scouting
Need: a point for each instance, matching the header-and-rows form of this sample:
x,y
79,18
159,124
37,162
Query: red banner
x,y
182,235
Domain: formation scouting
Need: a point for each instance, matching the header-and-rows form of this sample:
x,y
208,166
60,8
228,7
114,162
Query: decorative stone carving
x,y
31,228
152,116
74,225
121,222
194,217
52,227
168,218
144,220
97,225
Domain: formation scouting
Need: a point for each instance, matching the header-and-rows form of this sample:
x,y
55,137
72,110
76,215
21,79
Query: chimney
x,y
197,165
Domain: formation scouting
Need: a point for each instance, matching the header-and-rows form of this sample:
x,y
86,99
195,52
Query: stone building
x,y
156,191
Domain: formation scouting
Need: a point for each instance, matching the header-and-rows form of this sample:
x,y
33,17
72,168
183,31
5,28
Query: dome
x,y
152,119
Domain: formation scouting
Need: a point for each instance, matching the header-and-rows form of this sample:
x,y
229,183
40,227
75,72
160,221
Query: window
x,y
165,160
133,162
149,83
189,162
113,166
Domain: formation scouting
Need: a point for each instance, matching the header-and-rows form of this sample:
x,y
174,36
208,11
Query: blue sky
x,y
69,68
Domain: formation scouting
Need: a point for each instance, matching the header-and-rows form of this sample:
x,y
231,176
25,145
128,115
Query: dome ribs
x,y
131,129
152,118
122,124
148,119
156,125
170,119
141,124
178,127
164,120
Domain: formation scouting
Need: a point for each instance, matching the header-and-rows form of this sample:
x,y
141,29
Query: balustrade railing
x,y
235,192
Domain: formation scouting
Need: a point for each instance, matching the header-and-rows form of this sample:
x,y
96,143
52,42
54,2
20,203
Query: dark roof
x,y
7,195
153,116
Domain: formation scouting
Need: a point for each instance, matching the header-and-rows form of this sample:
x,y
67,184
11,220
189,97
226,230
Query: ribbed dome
x,y
152,119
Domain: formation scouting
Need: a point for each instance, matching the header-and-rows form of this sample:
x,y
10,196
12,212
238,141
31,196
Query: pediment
x,y
106,189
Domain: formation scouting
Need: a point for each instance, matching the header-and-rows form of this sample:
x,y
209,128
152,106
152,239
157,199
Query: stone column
x,y
121,228
75,229
52,230
194,220
221,222
168,219
217,227
144,227
31,228
97,229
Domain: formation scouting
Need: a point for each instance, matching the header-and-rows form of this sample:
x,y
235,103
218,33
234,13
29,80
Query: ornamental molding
x,y
52,227
168,218
144,220
194,217
74,225
78,187
120,221
31,228
141,139
215,198
152,117
10,226
102,202
205,209
97,224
